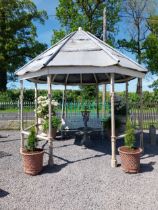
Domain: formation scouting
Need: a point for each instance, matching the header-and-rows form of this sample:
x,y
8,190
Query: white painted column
x,y
127,100
103,99
50,161
104,39
141,115
62,108
36,105
97,99
65,102
113,137
21,113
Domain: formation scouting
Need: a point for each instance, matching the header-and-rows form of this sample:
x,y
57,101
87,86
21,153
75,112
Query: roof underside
x,y
81,58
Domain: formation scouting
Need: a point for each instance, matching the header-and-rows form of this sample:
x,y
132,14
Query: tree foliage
x,y
18,34
88,15
137,13
151,45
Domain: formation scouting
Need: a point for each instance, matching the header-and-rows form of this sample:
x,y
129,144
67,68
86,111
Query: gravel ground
x,y
81,179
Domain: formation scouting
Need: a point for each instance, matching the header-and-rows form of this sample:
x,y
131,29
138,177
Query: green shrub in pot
x,y
129,135
56,122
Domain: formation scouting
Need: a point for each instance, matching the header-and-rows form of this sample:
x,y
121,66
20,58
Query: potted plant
x,y
42,109
129,154
56,122
32,156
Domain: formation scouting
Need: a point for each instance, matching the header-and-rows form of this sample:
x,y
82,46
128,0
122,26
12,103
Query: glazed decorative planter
x,y
130,159
32,161
54,132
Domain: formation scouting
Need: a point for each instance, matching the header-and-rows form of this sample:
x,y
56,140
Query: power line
x,y
121,16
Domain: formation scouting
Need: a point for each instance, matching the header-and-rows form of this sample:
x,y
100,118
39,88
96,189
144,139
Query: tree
x,y
137,12
88,15
18,41
151,46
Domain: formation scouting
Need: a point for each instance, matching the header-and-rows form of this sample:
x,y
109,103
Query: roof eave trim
x,y
83,70
65,38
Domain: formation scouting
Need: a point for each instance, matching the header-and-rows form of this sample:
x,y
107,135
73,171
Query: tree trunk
x,y
3,80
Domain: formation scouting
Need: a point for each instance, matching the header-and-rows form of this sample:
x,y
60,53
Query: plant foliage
x,y
56,122
129,135
18,35
88,15
31,141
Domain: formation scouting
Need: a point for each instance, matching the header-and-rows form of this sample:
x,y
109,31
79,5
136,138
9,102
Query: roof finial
x,y
80,28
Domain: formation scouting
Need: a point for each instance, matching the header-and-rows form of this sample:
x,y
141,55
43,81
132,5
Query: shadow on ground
x,y
56,168
4,154
104,146
53,169
9,140
3,193
147,167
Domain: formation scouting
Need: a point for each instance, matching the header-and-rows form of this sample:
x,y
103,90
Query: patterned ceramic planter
x,y
32,161
130,159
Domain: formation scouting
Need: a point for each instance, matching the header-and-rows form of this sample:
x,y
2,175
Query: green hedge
x,y
74,96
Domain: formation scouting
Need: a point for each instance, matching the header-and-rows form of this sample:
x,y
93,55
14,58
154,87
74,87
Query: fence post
x,y
21,113
141,115
152,133
18,105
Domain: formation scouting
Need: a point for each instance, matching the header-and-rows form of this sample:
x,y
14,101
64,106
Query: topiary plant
x,y
31,141
56,122
129,135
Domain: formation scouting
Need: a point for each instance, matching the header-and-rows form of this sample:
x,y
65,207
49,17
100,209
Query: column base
x,y
50,161
113,163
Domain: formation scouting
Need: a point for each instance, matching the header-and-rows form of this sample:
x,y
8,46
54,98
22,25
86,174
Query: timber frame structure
x,y
80,59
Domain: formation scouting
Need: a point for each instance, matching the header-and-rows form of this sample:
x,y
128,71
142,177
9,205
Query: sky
x,y
44,33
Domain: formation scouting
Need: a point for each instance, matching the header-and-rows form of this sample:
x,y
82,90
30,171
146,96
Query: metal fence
x,y
10,112
150,114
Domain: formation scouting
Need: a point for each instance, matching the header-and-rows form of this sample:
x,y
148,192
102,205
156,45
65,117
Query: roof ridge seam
x,y
43,53
57,51
93,39
119,52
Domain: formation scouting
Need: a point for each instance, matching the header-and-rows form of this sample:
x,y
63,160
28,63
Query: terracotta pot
x,y
32,161
130,159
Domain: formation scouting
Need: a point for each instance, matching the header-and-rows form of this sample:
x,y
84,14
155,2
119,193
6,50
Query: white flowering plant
x,y
43,106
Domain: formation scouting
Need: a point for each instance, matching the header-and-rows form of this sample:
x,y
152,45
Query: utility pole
x,y
104,25
104,85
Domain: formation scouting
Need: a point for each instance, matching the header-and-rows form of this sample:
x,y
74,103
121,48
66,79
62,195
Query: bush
x,y
129,135
31,141
56,122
